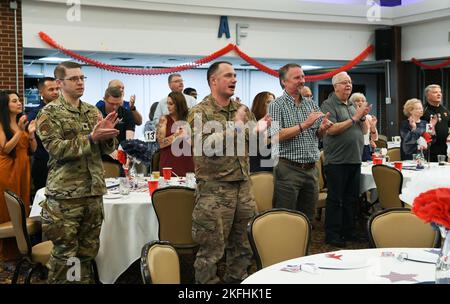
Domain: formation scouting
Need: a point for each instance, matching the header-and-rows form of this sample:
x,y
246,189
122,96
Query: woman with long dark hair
x,y
172,131
16,138
260,106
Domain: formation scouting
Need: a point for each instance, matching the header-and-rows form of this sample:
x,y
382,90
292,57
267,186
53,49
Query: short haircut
x,y
188,91
409,106
214,68
60,70
171,76
42,81
282,72
112,92
429,88
335,78
356,96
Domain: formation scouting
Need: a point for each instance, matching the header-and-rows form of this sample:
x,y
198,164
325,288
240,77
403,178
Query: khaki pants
x,y
295,188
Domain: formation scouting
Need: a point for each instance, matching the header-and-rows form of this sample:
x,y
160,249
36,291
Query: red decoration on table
x,y
334,256
430,67
433,206
121,157
427,137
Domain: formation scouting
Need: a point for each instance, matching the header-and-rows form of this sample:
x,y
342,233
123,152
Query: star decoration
x,y
334,256
396,277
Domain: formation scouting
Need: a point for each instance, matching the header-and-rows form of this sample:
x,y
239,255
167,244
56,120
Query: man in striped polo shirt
x,y
300,125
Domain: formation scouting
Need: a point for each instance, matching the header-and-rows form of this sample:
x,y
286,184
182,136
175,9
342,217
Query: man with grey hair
x,y
300,125
176,85
433,107
343,149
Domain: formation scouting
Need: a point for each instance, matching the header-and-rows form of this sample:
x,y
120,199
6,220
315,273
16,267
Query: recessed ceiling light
x,y
311,67
54,59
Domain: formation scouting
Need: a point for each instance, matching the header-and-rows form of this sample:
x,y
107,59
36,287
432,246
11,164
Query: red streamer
x,y
201,61
430,67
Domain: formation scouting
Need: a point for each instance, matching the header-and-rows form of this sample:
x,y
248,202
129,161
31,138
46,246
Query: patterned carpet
x,y
133,276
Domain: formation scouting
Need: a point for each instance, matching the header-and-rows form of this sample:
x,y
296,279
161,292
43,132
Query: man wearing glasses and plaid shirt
x,y
301,124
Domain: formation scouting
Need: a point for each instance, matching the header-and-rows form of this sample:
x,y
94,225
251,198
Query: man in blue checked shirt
x,y
300,125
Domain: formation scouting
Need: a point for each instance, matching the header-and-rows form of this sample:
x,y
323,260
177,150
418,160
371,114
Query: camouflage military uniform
x,y
224,202
73,212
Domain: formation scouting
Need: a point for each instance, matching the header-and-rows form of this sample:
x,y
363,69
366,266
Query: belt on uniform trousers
x,y
298,165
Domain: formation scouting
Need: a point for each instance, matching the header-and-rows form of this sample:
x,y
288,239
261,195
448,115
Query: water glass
x,y
441,159
124,186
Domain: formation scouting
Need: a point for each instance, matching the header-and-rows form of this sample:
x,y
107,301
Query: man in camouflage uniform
x,y
75,135
224,201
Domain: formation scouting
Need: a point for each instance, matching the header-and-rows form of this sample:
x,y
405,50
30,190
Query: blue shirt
x,y
126,104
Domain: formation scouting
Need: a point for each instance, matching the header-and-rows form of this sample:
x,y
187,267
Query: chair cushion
x,y
7,231
40,253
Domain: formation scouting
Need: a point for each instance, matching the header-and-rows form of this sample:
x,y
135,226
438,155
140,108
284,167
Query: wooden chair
x,y
36,256
262,187
279,234
394,154
111,169
160,263
389,183
155,161
173,207
398,227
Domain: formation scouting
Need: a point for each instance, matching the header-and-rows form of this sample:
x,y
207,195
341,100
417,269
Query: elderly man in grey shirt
x,y
343,149
176,85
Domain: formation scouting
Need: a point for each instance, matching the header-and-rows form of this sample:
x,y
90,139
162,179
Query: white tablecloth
x,y
130,222
364,266
367,182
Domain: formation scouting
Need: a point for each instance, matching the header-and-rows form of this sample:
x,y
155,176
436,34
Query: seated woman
x,y
372,134
259,109
172,129
412,128
17,138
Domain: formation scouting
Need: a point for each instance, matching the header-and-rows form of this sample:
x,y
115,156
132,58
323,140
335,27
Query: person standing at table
x,y
413,128
224,201
172,134
75,135
301,124
15,142
358,99
343,149
49,91
433,107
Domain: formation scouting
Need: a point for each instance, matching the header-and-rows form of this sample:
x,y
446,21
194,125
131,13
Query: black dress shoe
x,y
336,243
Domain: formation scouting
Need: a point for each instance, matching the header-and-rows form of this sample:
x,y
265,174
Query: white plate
x,y
346,261
112,196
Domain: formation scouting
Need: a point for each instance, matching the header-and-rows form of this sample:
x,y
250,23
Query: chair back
x,y
394,154
321,175
398,227
16,209
262,188
173,207
155,161
381,143
277,235
160,263
111,169
389,183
